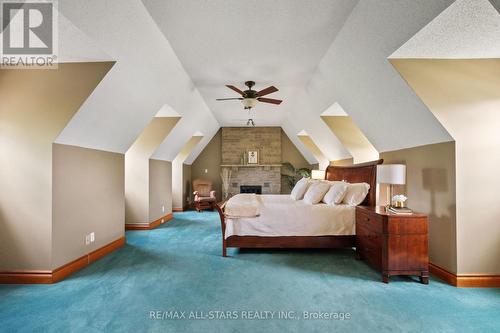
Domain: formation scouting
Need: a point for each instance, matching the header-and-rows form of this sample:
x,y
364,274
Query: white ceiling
x,y
277,42
147,76
356,73
181,53
468,29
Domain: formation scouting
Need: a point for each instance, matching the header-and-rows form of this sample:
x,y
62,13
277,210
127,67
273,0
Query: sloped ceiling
x,y
318,53
464,94
271,42
73,44
276,42
355,72
147,75
468,29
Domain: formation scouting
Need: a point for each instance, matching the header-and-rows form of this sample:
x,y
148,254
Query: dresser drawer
x,y
402,225
370,248
368,223
393,244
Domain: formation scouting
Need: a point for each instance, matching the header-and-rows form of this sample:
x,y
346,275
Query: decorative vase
x,y
399,204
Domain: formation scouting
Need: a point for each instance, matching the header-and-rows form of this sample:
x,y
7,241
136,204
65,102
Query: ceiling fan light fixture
x,y
249,103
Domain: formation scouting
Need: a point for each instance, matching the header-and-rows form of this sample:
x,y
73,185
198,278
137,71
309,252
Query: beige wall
x,y
88,196
464,95
187,189
137,167
179,171
290,153
210,160
35,105
315,151
353,139
160,189
430,187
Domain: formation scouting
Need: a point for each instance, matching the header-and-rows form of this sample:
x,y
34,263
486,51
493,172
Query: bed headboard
x,y
357,173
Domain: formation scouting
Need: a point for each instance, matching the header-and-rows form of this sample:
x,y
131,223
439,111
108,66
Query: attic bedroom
x,y
240,166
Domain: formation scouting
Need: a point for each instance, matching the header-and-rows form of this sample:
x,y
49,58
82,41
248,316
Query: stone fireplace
x,y
257,189
237,141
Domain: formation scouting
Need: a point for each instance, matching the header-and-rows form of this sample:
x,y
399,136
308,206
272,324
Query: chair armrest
x,y
195,193
212,194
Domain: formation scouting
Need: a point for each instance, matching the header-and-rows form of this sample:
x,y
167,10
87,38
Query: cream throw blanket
x,y
242,205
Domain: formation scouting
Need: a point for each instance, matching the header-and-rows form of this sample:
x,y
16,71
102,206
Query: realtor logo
x,y
28,33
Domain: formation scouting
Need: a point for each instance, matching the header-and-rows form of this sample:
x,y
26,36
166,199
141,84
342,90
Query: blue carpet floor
x,y
178,267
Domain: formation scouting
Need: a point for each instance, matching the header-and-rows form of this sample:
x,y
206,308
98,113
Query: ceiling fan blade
x,y
228,99
267,91
235,89
269,100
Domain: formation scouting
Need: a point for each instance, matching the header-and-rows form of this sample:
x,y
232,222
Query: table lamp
x,y
391,174
318,174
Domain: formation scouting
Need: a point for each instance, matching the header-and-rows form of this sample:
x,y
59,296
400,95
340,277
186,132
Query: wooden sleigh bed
x,y
366,172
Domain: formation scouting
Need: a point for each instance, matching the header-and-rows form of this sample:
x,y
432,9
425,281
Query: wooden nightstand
x,y
393,244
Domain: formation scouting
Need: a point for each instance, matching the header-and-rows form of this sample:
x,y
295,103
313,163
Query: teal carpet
x,y
178,267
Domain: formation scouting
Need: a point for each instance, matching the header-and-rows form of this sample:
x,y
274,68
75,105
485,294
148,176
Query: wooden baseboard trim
x,y
47,277
66,270
26,277
106,249
149,226
478,281
465,280
443,274
178,209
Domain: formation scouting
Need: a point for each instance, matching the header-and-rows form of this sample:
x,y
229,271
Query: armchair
x,y
204,196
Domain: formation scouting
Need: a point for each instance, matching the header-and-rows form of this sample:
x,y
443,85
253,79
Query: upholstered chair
x,y
204,197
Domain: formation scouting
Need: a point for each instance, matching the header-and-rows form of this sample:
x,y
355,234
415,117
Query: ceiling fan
x,y
250,97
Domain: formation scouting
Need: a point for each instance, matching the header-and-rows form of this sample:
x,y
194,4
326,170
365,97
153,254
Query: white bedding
x,y
242,205
282,216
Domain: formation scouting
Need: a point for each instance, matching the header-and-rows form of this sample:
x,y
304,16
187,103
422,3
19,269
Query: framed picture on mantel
x,y
253,157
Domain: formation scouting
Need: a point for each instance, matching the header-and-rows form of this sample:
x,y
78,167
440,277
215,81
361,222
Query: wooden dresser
x,y
393,244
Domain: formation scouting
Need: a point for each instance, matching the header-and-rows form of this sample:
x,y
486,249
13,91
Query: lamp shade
x,y
318,174
394,174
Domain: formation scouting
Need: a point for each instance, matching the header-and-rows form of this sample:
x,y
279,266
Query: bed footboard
x,y
220,210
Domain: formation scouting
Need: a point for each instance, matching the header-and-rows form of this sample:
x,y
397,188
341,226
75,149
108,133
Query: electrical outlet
x,y
163,209
87,239
206,170
92,237
162,220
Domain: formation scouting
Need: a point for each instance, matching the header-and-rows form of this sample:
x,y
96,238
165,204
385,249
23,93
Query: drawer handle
x,y
367,219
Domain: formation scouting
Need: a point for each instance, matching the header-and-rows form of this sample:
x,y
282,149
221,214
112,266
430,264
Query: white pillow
x,y
316,192
336,193
300,189
356,193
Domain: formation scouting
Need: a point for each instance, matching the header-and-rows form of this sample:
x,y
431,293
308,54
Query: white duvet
x,y
282,216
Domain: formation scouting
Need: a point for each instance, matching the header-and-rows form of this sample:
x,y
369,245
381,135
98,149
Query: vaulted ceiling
x,y
177,55
270,42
